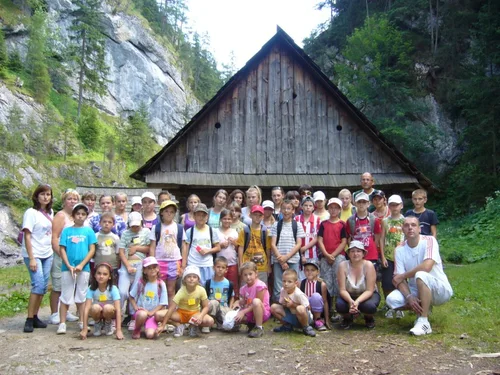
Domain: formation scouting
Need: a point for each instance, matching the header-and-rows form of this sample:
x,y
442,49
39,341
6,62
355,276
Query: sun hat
x,y
149,261
358,245
191,270
167,203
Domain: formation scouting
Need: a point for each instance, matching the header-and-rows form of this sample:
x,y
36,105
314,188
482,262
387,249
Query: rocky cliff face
x,y
141,70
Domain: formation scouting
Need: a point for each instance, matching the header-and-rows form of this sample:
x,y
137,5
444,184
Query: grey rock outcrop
x,y
9,251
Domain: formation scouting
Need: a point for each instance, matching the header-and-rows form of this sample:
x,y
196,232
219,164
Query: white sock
x,y
423,319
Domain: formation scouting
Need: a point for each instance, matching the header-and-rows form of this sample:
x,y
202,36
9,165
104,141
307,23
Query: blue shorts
x,y
291,318
40,278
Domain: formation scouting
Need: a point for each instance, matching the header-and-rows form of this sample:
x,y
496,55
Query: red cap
x,y
258,209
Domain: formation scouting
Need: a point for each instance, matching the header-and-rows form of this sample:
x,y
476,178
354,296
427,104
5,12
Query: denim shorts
x,y
40,278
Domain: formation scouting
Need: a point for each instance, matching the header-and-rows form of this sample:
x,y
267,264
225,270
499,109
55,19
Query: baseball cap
x,y
378,193
79,206
307,198
312,262
191,270
268,204
357,245
258,209
149,261
167,203
336,201
136,200
134,218
362,197
319,196
395,199
149,195
201,207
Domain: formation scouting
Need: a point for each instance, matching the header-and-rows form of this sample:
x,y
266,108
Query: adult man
x,y
418,276
367,183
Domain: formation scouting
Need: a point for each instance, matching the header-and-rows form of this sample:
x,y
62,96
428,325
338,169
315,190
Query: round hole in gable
x,y
217,125
294,95
339,127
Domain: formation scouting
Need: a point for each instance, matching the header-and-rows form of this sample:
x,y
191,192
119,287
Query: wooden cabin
x,y
279,121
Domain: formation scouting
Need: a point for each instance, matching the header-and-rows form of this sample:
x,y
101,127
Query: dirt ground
x,y
356,351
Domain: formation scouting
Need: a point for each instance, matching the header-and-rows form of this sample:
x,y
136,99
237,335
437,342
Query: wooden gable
x,y
278,121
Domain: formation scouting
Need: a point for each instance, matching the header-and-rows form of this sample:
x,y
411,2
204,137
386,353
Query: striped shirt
x,y
311,227
287,242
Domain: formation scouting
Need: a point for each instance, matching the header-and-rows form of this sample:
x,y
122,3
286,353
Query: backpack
x,y
352,223
280,227
263,232
140,287
229,291
319,283
180,231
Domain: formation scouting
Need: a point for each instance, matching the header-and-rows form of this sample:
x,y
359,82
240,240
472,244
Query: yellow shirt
x,y
255,251
190,301
346,214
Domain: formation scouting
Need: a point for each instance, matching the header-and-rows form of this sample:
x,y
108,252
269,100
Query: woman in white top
x,y
357,287
37,251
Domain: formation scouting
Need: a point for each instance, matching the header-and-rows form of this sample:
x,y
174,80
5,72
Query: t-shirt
x,y
426,218
88,220
118,228
213,219
190,301
107,297
167,248
287,242
149,298
324,216
255,252
407,258
363,233
370,196
347,213
77,241
41,233
394,236
219,290
130,238
245,216
239,226
150,223
248,293
106,249
201,239
298,297
332,234
230,252
311,227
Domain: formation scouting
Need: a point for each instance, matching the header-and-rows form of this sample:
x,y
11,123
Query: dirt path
x,y
335,352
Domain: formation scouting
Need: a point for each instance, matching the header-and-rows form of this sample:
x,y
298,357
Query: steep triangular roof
x,y
298,53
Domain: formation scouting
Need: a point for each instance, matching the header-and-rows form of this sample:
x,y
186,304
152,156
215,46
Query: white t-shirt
x,y
41,233
298,297
166,247
230,252
407,258
287,242
201,239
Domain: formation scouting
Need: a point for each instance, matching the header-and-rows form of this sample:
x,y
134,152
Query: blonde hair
x,y
248,266
419,192
255,189
291,272
121,195
192,196
344,191
70,193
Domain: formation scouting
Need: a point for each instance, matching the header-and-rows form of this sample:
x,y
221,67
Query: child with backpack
x,y
316,291
254,244
149,298
286,240
202,243
167,239
228,238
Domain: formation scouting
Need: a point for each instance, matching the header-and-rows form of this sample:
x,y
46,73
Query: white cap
x,y
134,218
149,195
336,201
395,199
136,200
268,204
357,245
319,196
362,196
191,270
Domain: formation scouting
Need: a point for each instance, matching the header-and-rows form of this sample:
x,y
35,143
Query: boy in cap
x,y
315,289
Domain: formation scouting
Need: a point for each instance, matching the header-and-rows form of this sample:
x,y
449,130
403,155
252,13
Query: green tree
x,y
15,63
88,51
89,129
4,58
68,131
138,136
37,58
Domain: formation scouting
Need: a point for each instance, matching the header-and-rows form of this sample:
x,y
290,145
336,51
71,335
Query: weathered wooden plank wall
x,y
278,119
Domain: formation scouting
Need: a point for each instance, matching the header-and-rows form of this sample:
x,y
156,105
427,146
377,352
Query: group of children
x,y
275,259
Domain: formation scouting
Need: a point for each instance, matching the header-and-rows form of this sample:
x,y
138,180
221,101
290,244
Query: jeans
x,y
40,278
278,278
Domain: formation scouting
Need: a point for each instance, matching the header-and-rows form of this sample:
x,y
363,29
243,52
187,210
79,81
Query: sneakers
x,y
421,328
193,331
205,330
37,323
97,328
179,330
80,325
54,319
28,326
250,326
108,328
319,325
400,314
283,328
309,331
369,322
71,318
346,323
389,314
126,321
131,325
61,330
336,318
90,322
256,332
169,328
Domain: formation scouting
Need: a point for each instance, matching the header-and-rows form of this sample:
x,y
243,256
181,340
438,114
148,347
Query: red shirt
x,y
332,234
363,233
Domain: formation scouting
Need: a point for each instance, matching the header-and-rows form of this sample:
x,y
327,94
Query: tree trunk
x,y
431,25
80,79
437,27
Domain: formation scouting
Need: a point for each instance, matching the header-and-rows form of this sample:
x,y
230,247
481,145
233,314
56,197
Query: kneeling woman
x,y
357,287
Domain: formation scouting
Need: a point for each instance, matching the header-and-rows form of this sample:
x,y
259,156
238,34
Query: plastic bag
x,y
229,320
